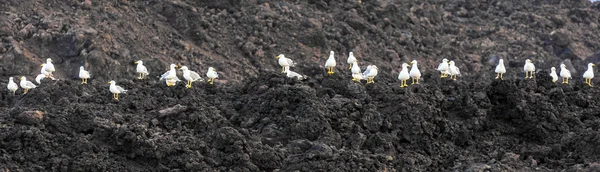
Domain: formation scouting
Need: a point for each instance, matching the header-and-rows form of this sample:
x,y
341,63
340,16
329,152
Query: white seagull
x,y
370,73
565,74
190,76
26,85
403,76
443,68
115,89
170,76
84,75
141,69
330,63
356,73
351,59
529,69
212,74
48,68
12,86
500,69
285,62
415,73
589,74
453,70
553,74
292,74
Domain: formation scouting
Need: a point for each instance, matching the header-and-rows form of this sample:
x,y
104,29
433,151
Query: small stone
x,y
86,4
31,117
173,110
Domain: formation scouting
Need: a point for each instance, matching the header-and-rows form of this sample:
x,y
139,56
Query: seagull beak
x,y
593,65
277,57
108,82
176,66
135,62
412,62
42,65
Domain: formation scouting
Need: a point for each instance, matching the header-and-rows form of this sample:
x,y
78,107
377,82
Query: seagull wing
x,y
367,71
163,76
144,70
30,84
195,76
120,88
291,62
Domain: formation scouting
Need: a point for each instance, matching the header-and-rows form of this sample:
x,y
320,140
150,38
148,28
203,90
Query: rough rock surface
x,y
255,119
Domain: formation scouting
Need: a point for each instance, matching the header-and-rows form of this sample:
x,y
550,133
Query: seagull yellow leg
x,y
497,75
350,66
401,83
116,96
25,91
501,76
566,80
531,75
455,77
82,80
418,80
413,80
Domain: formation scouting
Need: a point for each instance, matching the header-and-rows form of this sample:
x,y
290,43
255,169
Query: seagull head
x,y
444,60
331,53
48,60
138,62
173,66
23,78
500,61
10,78
563,66
183,68
280,56
413,62
553,69
527,61
80,67
590,65
111,82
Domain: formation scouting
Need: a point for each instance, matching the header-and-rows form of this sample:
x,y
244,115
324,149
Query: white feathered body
x,y
564,72
12,86
84,74
191,75
370,72
292,74
404,75
116,89
212,74
553,74
331,60
443,67
283,61
140,68
414,71
27,84
351,58
39,78
589,74
355,68
500,67
453,70
529,67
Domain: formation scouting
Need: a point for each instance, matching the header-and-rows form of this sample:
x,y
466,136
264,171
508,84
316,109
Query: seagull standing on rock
x,y
553,74
115,89
84,75
190,76
141,69
529,69
12,86
356,73
285,63
212,74
26,84
443,68
330,63
403,76
351,59
370,73
565,74
453,70
170,76
415,73
589,74
48,68
500,69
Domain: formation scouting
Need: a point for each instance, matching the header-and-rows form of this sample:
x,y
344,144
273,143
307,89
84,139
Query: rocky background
x,y
255,119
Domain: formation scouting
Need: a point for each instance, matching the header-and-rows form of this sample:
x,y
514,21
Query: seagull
x,y
48,68
285,62
330,63
84,75
12,86
403,76
589,74
115,89
453,70
212,74
351,59
39,78
141,69
292,74
500,69
170,76
415,73
26,85
356,73
565,74
190,76
529,67
443,68
553,74
370,73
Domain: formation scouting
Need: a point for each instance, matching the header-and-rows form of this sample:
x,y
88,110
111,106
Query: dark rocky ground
x,y
254,119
